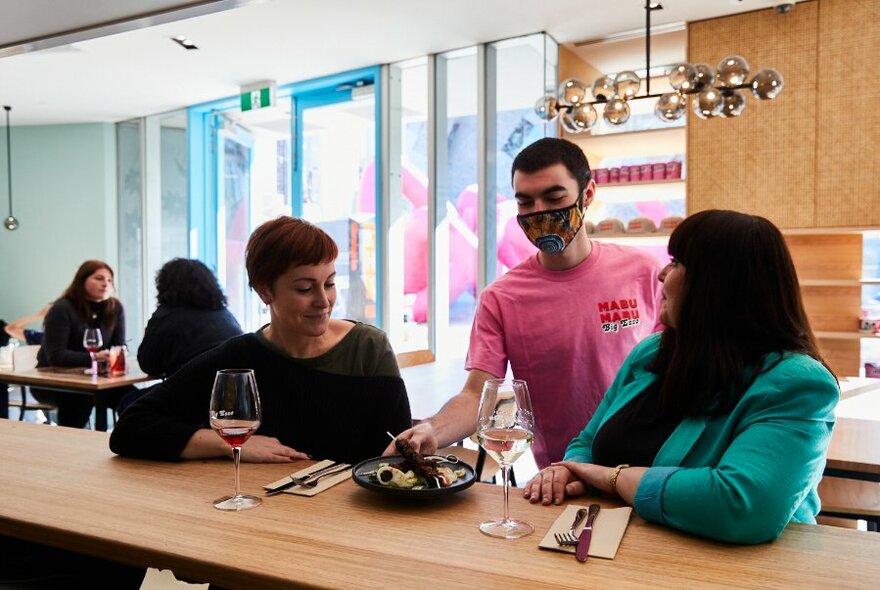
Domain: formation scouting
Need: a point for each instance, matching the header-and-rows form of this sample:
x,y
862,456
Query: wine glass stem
x,y
94,363
236,457
505,476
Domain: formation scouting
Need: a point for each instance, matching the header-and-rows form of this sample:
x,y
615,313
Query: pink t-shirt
x,y
566,333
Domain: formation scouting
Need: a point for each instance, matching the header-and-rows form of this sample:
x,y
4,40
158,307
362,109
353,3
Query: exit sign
x,y
257,96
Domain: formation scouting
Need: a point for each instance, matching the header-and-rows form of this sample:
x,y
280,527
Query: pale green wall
x,y
64,196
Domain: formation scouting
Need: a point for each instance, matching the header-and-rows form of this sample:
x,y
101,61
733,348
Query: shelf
x,y
845,335
838,282
659,142
640,183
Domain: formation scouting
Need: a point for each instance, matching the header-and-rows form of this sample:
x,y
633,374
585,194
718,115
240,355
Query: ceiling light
x,y
716,93
184,42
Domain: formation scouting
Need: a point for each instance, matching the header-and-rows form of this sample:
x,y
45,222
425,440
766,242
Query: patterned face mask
x,y
552,231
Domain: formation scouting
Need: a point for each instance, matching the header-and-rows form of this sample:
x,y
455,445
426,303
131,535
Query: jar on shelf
x,y
673,169
660,171
601,175
635,173
647,172
614,175
623,175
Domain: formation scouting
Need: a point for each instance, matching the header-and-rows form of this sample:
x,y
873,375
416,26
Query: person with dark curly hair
x,y
191,318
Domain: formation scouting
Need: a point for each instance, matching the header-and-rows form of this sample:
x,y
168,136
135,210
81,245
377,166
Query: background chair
x,y
850,499
24,358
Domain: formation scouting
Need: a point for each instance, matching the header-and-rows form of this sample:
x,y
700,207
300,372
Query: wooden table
x,y
854,450
73,380
70,491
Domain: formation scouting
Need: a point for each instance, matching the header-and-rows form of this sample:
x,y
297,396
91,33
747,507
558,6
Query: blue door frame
x,y
202,158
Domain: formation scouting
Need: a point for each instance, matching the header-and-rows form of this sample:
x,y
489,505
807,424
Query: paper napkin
x,y
608,528
325,483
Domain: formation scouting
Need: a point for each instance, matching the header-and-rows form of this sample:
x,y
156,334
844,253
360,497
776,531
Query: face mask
x,y
552,231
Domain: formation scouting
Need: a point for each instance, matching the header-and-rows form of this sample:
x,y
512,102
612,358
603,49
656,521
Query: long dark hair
x,y
76,294
182,282
740,302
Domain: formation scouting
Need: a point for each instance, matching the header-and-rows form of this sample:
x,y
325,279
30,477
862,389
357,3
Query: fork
x,y
312,481
568,538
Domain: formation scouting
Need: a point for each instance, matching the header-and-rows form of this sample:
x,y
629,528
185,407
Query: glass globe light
x,y
545,108
671,106
705,76
616,111
603,88
732,104
683,77
627,84
732,71
11,223
572,91
767,84
583,116
567,122
707,104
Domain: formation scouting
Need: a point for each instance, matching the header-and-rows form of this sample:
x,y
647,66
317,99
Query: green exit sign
x,y
257,96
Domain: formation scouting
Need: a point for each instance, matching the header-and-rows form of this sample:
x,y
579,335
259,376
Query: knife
x,y
310,475
583,547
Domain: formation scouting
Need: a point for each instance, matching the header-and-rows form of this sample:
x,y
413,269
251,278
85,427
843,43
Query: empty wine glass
x,y
235,415
506,429
92,342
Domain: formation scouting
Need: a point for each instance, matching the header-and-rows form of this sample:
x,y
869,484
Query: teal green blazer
x,y
740,477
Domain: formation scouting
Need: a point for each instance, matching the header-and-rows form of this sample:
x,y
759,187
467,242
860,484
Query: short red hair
x,y
283,242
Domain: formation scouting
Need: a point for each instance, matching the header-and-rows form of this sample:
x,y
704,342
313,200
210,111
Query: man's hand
x,y
267,449
421,437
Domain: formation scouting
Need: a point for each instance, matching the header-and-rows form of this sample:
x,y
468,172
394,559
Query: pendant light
x,y
10,222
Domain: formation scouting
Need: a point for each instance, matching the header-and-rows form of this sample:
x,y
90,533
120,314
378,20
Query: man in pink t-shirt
x,y
564,319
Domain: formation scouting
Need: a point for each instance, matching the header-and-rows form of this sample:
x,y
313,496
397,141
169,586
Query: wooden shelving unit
x,y
640,183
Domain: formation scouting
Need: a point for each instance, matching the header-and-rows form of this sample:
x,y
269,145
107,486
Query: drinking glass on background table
x,y
235,415
506,428
92,342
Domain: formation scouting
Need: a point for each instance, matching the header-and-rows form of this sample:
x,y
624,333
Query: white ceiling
x,y
142,72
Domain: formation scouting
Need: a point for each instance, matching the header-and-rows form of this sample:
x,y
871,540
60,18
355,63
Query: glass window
x,y
129,275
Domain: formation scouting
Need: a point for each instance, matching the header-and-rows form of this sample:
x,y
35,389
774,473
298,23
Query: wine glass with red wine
x,y
235,415
92,342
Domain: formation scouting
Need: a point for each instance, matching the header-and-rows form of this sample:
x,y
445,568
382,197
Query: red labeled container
x,y
614,175
635,173
660,171
647,172
624,174
601,175
673,169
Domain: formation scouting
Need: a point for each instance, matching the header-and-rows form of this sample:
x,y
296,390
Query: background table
x,y
72,379
72,492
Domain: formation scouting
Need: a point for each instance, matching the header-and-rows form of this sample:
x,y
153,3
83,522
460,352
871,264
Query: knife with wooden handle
x,y
583,547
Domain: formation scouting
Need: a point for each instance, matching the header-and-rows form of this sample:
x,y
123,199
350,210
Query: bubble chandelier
x,y
712,93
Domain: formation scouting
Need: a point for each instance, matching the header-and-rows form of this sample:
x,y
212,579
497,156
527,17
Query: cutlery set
x,y
583,541
310,480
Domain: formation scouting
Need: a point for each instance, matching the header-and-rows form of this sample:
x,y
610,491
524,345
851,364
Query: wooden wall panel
x,y
763,162
826,256
841,355
848,163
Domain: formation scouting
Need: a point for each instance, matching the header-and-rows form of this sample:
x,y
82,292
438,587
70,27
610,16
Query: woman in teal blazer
x,y
718,425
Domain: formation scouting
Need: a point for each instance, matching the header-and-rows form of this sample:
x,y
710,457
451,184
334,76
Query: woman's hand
x,y
102,355
553,483
267,449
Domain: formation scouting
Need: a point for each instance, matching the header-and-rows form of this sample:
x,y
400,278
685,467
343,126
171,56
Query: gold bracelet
x,y
612,481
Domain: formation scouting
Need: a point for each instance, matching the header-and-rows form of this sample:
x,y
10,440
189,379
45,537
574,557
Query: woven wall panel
x,y
762,162
848,179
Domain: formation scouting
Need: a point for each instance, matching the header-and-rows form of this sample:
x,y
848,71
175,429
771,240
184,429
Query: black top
x,y
63,333
635,434
175,335
328,416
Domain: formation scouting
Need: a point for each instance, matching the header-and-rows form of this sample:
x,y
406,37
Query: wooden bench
x,y
851,498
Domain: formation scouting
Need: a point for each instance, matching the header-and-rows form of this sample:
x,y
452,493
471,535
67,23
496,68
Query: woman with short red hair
x,y
330,388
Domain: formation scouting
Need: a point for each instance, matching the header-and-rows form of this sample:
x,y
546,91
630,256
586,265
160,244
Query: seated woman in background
x,y
718,425
191,318
87,302
329,388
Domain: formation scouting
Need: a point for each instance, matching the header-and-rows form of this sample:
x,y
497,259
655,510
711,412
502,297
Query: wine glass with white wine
x,y
506,429
235,415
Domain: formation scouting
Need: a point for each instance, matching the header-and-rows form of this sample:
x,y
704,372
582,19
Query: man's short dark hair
x,y
552,150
